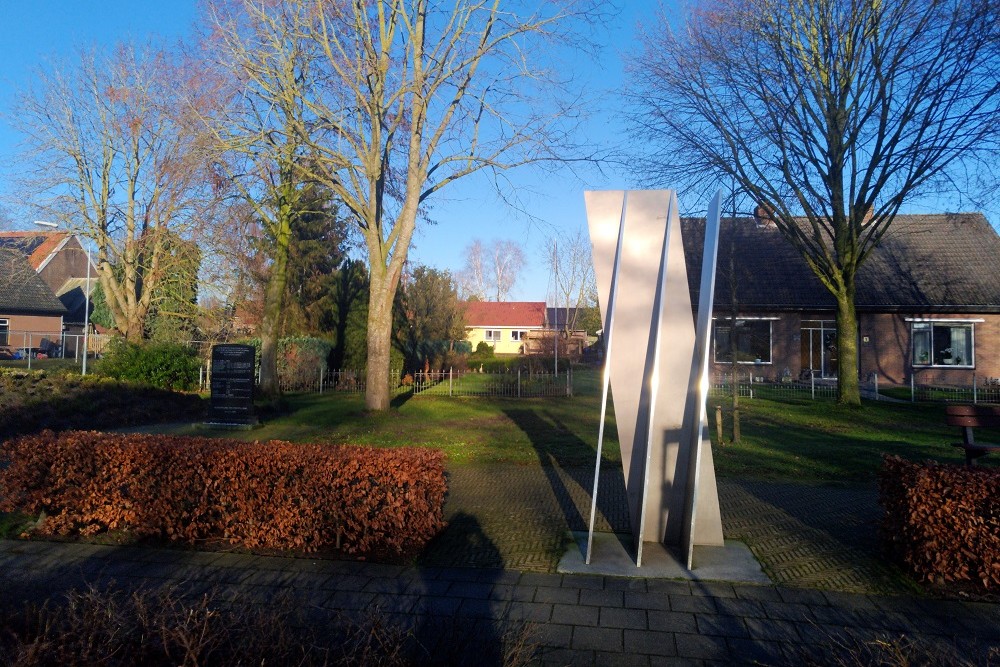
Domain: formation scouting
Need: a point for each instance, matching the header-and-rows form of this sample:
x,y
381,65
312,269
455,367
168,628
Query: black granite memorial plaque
x,y
232,385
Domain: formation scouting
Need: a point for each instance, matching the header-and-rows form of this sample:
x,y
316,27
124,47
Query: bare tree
x,y
414,95
830,114
473,279
572,274
116,157
264,64
491,270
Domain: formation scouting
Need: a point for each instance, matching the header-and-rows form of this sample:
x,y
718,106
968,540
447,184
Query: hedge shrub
x,y
166,365
272,494
942,522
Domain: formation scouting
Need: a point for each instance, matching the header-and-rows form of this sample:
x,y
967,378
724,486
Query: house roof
x,y
38,247
924,263
527,314
557,317
22,290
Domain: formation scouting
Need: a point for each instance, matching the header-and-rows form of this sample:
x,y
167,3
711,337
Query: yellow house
x,y
504,325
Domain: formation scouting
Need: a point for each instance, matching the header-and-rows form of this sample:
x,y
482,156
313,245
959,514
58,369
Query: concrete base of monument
x,y
613,555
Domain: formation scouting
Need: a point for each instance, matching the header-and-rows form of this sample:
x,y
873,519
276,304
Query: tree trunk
x,y
379,340
270,326
848,389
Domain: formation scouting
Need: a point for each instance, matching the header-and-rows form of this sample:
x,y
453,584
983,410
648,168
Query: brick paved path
x,y
468,616
807,536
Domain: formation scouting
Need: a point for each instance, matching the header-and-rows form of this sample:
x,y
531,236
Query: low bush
x,y
36,400
164,365
272,494
942,522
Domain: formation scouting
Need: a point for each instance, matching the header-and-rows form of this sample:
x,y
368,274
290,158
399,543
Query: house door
x,y
819,348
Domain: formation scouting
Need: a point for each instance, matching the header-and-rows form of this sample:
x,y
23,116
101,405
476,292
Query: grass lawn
x,y
822,442
470,430
793,439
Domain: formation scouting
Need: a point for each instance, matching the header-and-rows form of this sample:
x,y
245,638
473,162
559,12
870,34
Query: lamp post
x,y
86,300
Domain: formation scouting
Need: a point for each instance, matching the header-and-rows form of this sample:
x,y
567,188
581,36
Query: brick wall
x,y
886,348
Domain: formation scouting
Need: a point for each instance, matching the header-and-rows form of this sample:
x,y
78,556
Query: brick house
x,y
31,317
61,261
928,302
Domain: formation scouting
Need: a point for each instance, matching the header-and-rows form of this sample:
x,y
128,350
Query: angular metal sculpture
x,y
658,367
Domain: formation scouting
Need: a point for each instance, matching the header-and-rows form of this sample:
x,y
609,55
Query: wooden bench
x,y
969,417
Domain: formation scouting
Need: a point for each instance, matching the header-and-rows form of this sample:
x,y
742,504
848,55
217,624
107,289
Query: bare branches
x,y
830,113
116,157
491,270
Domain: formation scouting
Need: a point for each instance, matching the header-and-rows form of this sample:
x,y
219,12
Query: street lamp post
x,y
86,301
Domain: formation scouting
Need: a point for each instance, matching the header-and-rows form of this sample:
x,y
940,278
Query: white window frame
x,y
518,335
770,339
493,335
5,328
930,324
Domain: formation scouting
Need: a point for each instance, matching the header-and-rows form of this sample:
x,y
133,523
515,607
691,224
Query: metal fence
x,y
979,390
51,345
512,384
750,387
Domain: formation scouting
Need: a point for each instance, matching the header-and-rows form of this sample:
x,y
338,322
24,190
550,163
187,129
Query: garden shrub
x,y
942,522
272,494
166,365
35,400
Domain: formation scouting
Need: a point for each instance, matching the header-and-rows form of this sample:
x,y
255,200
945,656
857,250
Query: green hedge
x,y
165,365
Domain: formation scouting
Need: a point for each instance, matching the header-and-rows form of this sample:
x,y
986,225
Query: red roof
x,y
36,246
505,314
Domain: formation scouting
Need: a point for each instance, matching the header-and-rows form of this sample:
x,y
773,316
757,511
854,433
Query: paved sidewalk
x,y
465,615
810,536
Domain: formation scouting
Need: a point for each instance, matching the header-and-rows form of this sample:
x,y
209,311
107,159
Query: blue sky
x,y
31,33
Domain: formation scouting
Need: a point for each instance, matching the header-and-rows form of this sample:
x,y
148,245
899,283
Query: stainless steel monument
x,y
657,366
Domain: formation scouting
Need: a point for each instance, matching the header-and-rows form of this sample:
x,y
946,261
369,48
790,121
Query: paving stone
x,y
670,587
636,600
756,652
566,656
621,659
717,624
633,585
693,604
772,630
554,595
650,643
552,634
602,598
715,589
672,621
575,614
615,617
597,639
701,647
802,596
469,589
787,611
738,607
759,593
535,612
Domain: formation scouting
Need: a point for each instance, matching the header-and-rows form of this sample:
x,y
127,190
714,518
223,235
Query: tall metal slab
x,y
653,307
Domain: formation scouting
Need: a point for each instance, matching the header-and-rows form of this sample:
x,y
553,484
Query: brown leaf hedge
x,y
942,522
263,494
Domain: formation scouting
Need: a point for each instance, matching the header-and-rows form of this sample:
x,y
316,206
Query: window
x,y
493,334
518,335
943,343
4,331
753,341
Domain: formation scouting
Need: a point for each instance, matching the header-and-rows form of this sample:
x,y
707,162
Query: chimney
x,y
763,215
